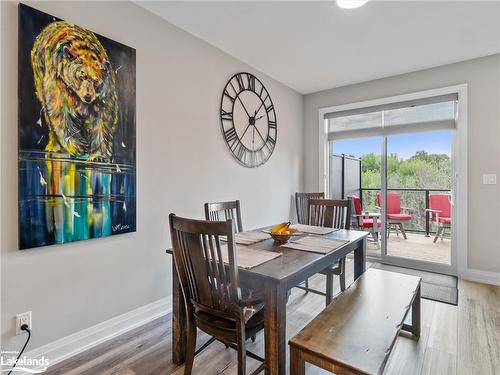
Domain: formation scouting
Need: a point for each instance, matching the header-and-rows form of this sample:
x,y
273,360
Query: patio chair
x,y
440,213
365,220
396,215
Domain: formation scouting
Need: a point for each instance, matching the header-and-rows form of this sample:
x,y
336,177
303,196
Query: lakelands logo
x,y
8,359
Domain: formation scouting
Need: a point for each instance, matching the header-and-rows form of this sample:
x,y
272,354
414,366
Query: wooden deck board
x,y
417,246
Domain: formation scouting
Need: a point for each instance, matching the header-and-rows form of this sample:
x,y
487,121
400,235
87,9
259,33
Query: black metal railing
x,y
421,217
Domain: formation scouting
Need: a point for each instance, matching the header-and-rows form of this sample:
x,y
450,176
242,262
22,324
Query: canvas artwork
x,y
77,159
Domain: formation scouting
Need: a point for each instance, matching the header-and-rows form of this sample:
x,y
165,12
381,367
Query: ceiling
x,y
312,46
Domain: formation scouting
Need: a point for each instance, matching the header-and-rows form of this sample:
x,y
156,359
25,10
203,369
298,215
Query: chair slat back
x,y
220,211
330,213
206,282
302,205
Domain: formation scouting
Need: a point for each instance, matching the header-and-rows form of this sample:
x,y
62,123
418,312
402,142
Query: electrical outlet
x,y
24,318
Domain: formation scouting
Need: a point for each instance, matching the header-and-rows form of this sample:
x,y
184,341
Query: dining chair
x,y
219,211
302,205
396,215
331,213
214,302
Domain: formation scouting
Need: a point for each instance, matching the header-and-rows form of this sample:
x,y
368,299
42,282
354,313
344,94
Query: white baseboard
x,y
71,345
486,277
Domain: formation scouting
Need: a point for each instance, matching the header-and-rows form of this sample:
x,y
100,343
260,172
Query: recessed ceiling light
x,y
350,4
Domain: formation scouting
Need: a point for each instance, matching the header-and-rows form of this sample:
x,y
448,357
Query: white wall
x,y
483,79
182,162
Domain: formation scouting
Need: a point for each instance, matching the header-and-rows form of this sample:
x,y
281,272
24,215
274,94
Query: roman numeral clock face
x,y
248,120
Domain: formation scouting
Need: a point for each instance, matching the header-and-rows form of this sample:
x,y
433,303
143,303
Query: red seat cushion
x,y
400,217
368,223
445,220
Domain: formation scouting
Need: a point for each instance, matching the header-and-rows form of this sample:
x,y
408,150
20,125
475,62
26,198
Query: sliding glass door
x,y
419,176
402,157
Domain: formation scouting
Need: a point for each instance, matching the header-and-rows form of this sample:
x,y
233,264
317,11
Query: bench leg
x,y
414,328
329,288
297,364
415,314
342,281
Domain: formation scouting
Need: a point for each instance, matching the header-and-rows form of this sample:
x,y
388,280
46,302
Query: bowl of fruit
x,y
282,232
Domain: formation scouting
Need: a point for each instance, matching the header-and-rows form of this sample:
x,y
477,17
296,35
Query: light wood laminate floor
x,y
463,339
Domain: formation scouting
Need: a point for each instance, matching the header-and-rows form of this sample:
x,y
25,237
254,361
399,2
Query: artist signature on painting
x,y
120,227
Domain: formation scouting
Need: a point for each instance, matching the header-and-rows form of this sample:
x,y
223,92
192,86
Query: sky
x,y
404,145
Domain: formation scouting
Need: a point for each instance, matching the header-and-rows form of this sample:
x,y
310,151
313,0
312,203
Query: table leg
x,y
360,259
297,364
414,327
179,337
275,329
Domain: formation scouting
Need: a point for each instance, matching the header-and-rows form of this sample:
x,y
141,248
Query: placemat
x,y
315,244
248,238
312,229
248,257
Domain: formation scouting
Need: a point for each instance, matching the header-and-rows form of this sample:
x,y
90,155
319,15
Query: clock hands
x,y
251,123
245,131
261,137
258,131
255,113
261,104
248,114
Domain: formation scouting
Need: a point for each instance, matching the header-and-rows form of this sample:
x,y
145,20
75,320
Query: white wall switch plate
x,y
489,179
24,318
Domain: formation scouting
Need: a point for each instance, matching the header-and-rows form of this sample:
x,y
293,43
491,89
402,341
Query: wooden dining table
x,y
274,279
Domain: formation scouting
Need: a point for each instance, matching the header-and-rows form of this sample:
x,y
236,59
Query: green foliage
x,y
422,171
370,162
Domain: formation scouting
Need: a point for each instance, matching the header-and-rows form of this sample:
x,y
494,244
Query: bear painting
x,y
76,155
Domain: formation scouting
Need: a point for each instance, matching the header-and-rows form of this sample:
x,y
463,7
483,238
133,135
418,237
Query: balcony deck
x,y
417,246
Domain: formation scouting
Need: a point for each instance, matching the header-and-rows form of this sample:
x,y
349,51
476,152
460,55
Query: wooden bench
x,y
357,331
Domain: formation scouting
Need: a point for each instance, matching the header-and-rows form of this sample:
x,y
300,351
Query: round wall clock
x,y
248,120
